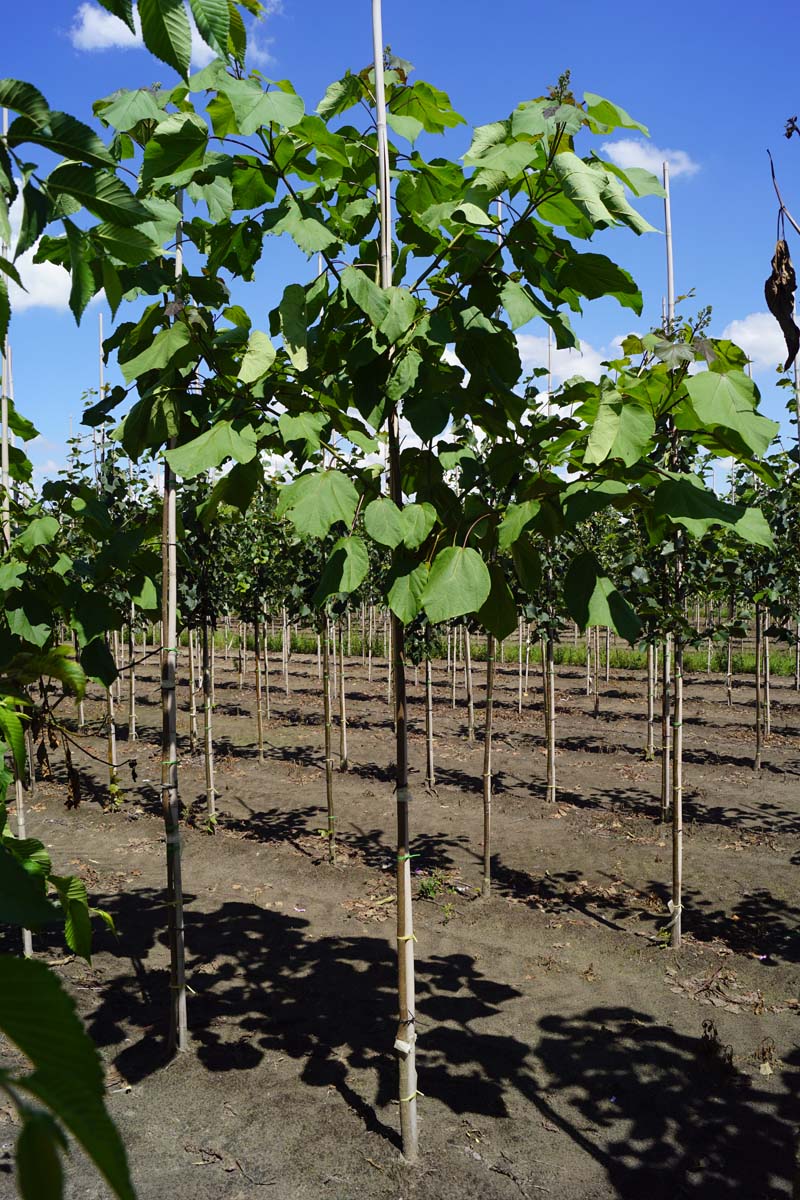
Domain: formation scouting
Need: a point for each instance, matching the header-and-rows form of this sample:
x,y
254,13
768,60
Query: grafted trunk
x,y
326,706
208,742
178,1037
430,774
550,678
487,768
666,730
131,680
470,693
757,757
649,751
259,696
192,693
677,802
343,763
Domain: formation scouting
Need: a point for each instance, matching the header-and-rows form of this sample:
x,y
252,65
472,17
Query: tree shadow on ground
x,y
664,1114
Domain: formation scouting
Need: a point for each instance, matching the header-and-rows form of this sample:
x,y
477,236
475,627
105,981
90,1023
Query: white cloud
x,y
95,29
565,363
760,337
46,285
633,152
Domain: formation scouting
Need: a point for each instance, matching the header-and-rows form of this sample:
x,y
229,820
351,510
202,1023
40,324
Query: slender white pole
x,y
5,480
405,1041
668,239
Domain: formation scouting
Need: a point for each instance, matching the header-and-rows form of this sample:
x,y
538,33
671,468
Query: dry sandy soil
x,y
562,1051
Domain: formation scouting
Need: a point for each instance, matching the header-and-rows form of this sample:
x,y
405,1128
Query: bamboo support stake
x,y
178,1037
767,692
470,689
405,1041
519,680
266,669
487,768
759,702
666,731
677,802
208,705
650,750
551,719
192,692
343,763
430,774
608,655
259,690
326,708
131,677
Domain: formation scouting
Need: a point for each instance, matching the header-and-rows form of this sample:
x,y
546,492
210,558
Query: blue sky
x,y
714,83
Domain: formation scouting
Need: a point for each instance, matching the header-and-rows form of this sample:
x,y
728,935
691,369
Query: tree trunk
x,y
519,665
757,758
326,706
487,768
208,743
266,670
259,697
192,694
178,1038
666,732
596,673
405,1041
550,675
649,752
470,693
111,751
677,801
767,693
430,775
343,763
729,673
131,680
588,662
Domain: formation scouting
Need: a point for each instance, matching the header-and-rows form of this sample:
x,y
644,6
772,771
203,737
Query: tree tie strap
x,y
407,937
169,762
408,1099
405,857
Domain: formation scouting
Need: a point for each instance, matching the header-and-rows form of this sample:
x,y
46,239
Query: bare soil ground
x,y
562,1052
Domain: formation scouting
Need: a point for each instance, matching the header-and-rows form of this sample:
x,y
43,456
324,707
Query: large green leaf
x,y
686,501
166,32
406,586
40,1144
292,310
729,401
517,518
128,108
383,521
392,309
38,532
592,599
621,429
99,192
498,614
40,1019
345,570
316,501
177,146
417,521
259,357
75,903
210,449
594,275
605,116
65,136
596,194
254,108
25,99
458,583
212,18
166,346
23,899
12,732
